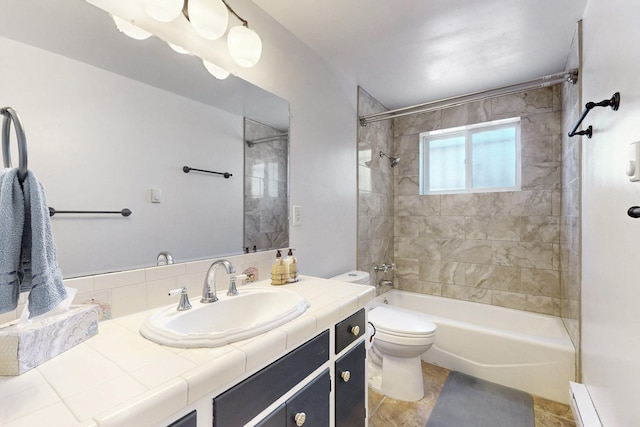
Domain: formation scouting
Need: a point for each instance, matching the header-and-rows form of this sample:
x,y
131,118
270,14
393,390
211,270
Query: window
x,y
476,158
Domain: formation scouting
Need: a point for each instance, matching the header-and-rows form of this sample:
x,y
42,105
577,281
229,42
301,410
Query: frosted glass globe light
x,y
164,10
130,30
178,49
245,46
209,18
217,72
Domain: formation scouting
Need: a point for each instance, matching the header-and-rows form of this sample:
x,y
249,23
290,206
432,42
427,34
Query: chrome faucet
x,y
384,267
209,280
184,304
232,284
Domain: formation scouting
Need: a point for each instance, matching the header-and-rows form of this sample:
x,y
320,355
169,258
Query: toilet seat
x,y
401,324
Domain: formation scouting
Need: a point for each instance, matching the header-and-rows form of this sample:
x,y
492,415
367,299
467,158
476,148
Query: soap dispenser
x,y
278,270
291,267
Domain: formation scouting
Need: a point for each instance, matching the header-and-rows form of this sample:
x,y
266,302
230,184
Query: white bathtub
x,y
519,349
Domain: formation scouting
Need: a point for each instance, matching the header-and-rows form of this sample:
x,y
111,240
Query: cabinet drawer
x,y
350,388
349,330
247,399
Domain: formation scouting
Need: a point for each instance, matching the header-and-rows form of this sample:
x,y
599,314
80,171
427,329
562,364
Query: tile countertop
x,y
120,378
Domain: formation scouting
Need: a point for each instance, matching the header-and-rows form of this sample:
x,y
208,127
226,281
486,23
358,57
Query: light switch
x,y
156,195
633,165
297,215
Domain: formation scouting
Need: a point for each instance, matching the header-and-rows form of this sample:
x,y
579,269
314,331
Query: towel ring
x,y
9,115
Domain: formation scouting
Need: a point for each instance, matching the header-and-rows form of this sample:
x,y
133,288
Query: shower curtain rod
x,y
550,80
282,136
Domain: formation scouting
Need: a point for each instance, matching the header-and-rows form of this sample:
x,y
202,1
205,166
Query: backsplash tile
x,y
126,292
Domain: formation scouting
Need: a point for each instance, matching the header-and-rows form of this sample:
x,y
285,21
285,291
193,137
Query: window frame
x,y
467,131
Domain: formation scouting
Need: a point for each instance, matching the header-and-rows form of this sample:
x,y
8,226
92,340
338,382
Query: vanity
x,y
309,371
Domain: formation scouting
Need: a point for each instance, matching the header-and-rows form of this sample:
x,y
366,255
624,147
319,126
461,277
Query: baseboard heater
x,y
582,406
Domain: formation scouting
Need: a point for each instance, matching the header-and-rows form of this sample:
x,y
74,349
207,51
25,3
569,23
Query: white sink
x,y
230,319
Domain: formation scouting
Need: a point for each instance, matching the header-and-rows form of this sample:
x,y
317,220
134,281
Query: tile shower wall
x,y
496,248
375,191
266,224
570,243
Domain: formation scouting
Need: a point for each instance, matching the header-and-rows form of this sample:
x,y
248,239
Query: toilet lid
x,y
400,322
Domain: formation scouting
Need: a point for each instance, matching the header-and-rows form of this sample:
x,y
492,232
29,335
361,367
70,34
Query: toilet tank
x,y
355,276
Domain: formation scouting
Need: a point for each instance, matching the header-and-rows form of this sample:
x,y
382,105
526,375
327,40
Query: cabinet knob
x,y
300,418
345,375
355,330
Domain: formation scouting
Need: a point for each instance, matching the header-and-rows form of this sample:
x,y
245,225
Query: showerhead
x,y
394,160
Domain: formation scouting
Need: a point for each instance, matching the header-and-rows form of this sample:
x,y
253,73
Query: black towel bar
x,y
123,212
188,169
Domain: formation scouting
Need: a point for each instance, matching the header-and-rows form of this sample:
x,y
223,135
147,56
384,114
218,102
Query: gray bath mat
x,y
467,401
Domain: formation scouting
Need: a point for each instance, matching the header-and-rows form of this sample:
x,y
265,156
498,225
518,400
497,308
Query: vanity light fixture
x,y
210,20
245,46
164,10
216,71
178,49
130,29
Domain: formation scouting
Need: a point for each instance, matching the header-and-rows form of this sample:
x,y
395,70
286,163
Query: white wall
x,y
611,267
323,144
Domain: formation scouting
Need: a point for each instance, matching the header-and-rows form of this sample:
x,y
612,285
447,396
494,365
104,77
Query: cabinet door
x,y
277,418
350,388
238,405
189,420
310,406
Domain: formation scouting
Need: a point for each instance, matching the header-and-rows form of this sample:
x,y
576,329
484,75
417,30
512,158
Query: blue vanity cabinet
x,y
189,420
349,330
350,376
244,401
308,407
350,383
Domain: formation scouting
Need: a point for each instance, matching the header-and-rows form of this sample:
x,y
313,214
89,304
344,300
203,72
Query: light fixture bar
x,y
550,80
244,21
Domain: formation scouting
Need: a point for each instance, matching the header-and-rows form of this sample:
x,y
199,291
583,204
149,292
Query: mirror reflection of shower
x,y
394,160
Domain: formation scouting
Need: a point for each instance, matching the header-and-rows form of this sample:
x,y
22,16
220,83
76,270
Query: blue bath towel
x,y
37,268
11,228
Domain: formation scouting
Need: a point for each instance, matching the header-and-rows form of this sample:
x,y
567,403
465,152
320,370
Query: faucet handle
x,y
184,303
232,283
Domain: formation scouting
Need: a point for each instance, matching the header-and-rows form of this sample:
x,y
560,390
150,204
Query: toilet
x,y
401,337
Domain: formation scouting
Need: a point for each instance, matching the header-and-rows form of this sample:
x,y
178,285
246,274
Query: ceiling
x,y
403,52
406,52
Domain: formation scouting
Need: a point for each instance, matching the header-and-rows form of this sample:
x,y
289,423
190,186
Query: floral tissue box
x,y
24,346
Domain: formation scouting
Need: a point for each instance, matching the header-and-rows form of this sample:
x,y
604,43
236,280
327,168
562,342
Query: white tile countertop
x,y
120,378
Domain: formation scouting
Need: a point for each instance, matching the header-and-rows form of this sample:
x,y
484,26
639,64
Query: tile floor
x,y
387,412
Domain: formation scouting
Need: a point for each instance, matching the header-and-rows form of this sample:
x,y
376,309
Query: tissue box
x,y
24,346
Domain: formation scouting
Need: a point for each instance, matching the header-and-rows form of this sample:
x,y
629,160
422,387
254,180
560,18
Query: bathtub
x,y
527,351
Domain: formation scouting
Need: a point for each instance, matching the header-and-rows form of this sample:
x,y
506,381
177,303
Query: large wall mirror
x,y
110,121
